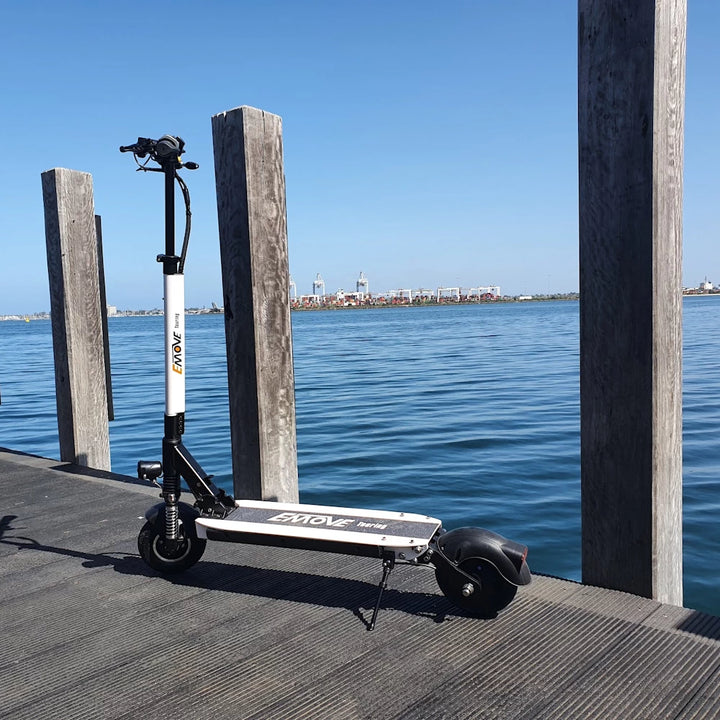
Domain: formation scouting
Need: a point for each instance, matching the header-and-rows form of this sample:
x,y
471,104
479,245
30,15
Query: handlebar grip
x,y
142,147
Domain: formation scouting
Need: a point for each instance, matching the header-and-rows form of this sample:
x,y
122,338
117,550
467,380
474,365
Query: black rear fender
x,y
508,557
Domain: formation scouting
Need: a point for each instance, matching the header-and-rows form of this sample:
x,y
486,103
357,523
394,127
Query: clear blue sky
x,y
426,143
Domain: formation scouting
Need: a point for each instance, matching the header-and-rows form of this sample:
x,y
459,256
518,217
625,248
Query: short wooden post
x,y
81,391
631,109
253,246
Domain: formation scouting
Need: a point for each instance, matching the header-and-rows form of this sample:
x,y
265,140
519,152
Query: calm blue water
x,y
468,413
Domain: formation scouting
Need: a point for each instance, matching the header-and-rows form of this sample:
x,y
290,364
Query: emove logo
x,y
307,519
177,353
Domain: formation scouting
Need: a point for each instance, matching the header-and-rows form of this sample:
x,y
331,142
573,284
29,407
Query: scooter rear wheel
x,y
484,593
169,557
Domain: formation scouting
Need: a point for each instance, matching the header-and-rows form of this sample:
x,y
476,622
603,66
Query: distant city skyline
x,y
363,280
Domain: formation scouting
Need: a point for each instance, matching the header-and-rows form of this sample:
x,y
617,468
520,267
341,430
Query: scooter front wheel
x,y
169,557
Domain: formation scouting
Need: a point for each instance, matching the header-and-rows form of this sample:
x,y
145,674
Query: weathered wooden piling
x,y
252,222
631,109
75,306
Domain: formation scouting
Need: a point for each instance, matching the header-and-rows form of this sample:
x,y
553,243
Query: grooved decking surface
x,y
90,632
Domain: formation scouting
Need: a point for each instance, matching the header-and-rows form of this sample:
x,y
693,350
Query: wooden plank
x,y
253,246
81,391
631,97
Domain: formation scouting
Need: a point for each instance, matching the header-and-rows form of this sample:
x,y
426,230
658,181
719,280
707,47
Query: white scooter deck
x,y
382,529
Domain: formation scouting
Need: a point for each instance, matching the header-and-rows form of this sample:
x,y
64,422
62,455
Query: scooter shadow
x,y
356,596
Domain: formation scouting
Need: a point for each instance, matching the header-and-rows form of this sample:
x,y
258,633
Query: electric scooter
x,y
478,570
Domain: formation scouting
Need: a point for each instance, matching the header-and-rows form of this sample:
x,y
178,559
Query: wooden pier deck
x,y
89,632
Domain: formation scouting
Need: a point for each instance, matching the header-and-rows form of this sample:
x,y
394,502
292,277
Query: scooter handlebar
x,y
165,151
141,148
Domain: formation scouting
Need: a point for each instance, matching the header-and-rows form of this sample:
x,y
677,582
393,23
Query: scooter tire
x,y
169,558
485,596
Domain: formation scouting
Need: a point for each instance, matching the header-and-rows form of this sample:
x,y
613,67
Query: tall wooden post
x,y
631,109
253,246
81,391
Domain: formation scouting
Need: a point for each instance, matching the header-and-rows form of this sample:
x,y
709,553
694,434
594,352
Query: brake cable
x,y
188,216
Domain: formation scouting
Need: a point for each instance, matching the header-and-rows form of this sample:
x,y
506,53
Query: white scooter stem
x,y
174,344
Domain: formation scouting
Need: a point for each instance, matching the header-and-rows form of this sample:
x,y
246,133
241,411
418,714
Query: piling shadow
x,y
84,471
73,469
700,623
355,596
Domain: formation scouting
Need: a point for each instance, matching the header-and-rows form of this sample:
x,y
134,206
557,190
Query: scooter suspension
x,y
172,523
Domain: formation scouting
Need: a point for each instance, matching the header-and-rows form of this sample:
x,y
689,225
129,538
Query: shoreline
x,y
309,308
565,297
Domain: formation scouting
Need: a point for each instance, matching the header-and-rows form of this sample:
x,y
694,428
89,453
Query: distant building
x,y
448,293
362,286
305,300
318,287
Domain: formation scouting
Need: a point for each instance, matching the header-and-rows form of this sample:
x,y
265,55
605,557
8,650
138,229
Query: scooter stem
x,y
174,308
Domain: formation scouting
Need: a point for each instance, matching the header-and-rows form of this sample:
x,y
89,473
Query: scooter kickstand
x,y
388,565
